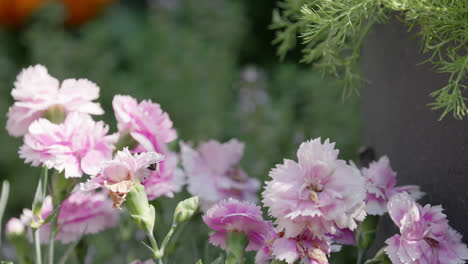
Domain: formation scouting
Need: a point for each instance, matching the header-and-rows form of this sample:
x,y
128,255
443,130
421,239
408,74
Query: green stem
x,y
53,228
3,203
151,238
37,246
361,254
231,258
37,212
236,243
154,245
166,239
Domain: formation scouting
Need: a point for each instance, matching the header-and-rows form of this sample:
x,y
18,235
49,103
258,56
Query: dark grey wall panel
x,y
398,122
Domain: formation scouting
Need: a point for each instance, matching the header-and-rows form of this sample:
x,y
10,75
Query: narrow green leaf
x,y
218,260
39,196
373,261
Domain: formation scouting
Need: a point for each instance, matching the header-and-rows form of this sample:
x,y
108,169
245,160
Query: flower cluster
x,y
425,235
317,201
380,186
320,200
120,174
316,193
80,214
152,130
60,134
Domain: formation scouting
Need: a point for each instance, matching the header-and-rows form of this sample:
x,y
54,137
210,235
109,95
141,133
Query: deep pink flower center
x,y
432,242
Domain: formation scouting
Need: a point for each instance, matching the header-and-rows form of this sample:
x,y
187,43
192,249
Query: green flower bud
x,y
142,213
185,210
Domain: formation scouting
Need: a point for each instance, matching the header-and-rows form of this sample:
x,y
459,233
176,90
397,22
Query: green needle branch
x,y
333,31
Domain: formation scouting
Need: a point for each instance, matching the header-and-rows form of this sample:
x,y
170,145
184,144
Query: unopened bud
x,y
185,210
142,213
14,227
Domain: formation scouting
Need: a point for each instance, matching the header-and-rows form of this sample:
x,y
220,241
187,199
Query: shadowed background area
x,y
398,123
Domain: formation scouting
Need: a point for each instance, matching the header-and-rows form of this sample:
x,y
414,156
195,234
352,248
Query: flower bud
x,y
142,213
185,210
14,227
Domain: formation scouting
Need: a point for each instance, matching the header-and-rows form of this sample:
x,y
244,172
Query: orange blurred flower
x,y
80,11
14,12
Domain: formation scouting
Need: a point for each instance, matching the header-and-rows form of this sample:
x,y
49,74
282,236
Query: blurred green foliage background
x,y
211,66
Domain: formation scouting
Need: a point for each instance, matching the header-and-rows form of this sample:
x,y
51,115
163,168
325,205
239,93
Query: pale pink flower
x,y
263,255
380,183
213,173
80,214
14,226
235,216
425,235
306,247
35,91
316,193
120,174
145,121
152,128
78,145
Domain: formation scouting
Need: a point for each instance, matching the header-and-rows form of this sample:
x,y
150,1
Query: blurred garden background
x,y
209,63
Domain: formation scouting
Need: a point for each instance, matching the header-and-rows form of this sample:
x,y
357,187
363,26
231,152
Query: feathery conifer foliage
x,y
333,31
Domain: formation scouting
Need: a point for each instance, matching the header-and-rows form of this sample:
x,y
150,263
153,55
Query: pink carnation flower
x,y
306,247
309,249
81,213
152,129
78,145
213,174
119,175
425,236
316,193
235,216
35,91
380,182
146,122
